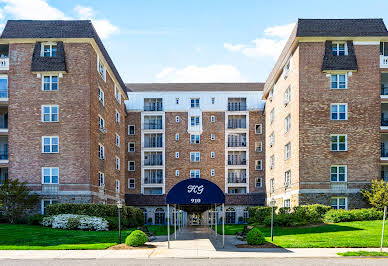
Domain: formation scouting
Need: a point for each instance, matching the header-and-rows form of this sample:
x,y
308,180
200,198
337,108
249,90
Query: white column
x,y
168,225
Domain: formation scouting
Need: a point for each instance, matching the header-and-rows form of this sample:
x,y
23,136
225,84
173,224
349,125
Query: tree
x,y
376,194
16,199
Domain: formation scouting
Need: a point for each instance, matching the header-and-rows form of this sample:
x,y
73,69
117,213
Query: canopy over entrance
x,y
195,191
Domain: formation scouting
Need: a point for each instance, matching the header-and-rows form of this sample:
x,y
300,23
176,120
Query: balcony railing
x,y
50,189
237,123
237,162
153,107
237,106
237,143
153,125
153,144
383,61
232,179
153,180
4,63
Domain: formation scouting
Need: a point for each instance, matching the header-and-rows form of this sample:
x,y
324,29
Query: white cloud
x,y
192,73
84,12
32,9
270,46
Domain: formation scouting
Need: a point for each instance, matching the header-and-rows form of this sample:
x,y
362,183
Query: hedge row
x,y
336,216
130,216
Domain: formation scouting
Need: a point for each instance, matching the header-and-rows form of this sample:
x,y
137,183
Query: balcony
x,y
3,88
4,59
3,150
237,104
153,159
153,141
153,177
3,174
384,116
384,172
153,122
237,140
235,179
235,122
153,105
237,158
383,61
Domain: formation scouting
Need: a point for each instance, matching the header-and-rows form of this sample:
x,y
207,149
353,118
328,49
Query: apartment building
x,y
213,131
62,112
326,113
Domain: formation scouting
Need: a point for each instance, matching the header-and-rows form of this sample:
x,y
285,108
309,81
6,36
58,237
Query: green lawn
x,y
364,254
349,234
39,237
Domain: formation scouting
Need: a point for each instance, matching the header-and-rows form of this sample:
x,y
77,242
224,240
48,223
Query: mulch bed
x,y
265,245
124,246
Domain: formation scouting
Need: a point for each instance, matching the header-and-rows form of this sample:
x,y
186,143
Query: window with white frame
x,y
195,173
131,130
131,166
50,113
195,121
195,139
287,203
287,123
177,172
49,50
272,139
258,129
272,185
101,96
272,162
101,69
195,156
339,48
50,175
212,155
287,178
271,93
258,182
50,144
131,183
47,202
287,95
286,68
177,119
131,146
177,155
338,142
213,136
101,122
272,115
339,111
258,165
176,100
338,81
50,83
101,152
101,179
339,203
117,117
117,186
212,119
212,172
117,94
117,159
177,136
287,151
213,100
338,173
194,102
117,140
259,146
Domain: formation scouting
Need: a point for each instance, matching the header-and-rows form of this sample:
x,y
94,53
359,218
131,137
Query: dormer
x,y
339,55
48,57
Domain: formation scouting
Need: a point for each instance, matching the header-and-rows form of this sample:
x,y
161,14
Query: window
x,y
131,166
49,113
176,100
258,165
50,83
195,173
286,68
213,100
230,215
131,130
287,151
213,136
339,81
131,146
177,173
272,139
338,48
287,203
195,121
46,203
101,123
117,186
272,162
50,144
49,50
194,102
212,155
287,178
338,173
117,94
131,183
258,182
339,203
272,115
160,216
287,123
3,86
101,152
117,163
101,96
50,175
271,93
101,69
117,117
272,185
177,119
177,155
338,143
101,179
177,136
212,172
339,111
287,95
117,140
212,119
258,129
259,146
195,139
195,156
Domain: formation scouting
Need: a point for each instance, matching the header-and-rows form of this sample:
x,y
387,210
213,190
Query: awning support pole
x,y
215,209
168,225
223,225
175,216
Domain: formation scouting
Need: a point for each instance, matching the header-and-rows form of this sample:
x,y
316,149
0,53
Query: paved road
x,y
202,262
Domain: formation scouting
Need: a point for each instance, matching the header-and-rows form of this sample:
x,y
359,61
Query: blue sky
x,y
192,41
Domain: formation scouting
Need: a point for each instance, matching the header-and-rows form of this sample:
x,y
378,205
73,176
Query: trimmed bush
x,y
35,219
255,237
336,216
73,221
258,214
136,238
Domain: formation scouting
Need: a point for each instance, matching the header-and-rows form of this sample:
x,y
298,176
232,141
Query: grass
x,y
346,234
364,254
160,230
39,237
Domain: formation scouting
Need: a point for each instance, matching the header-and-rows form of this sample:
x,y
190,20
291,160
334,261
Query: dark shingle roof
x,y
15,29
48,63
341,27
340,62
253,86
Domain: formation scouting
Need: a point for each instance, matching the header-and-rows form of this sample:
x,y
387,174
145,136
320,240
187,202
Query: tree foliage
x,y
376,194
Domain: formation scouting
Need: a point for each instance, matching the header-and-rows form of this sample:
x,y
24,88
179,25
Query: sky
x,y
192,40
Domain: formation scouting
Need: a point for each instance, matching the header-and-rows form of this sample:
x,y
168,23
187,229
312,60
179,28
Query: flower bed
x,y
75,221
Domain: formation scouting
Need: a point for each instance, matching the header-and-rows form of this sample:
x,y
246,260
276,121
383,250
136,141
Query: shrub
x,y
258,214
255,237
136,238
35,219
240,219
336,216
73,221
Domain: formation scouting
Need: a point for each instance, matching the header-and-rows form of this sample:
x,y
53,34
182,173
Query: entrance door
x,y
195,219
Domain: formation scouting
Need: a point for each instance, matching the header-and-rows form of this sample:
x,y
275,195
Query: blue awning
x,y
195,191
